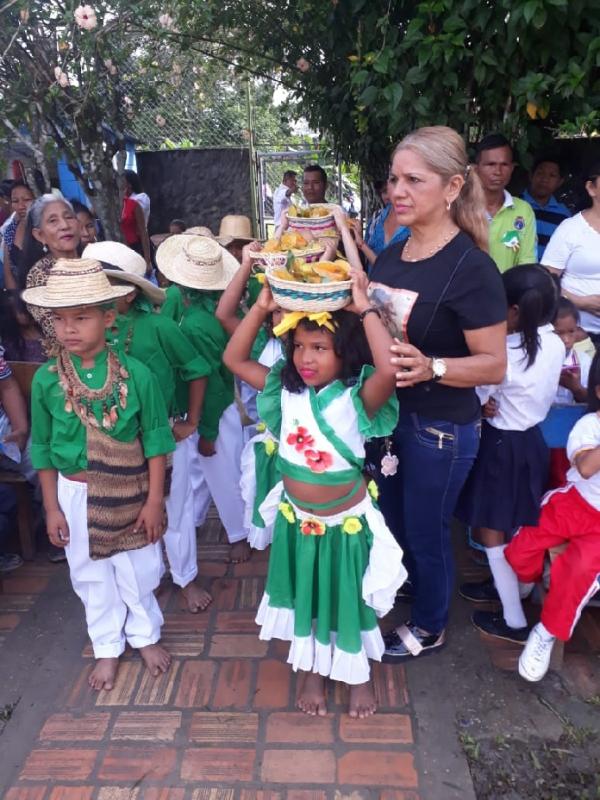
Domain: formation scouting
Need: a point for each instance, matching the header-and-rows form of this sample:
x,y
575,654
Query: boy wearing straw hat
x,y
100,436
198,264
235,231
181,372
174,301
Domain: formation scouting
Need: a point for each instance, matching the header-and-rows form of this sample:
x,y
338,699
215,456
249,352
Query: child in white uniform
x,y
569,516
507,481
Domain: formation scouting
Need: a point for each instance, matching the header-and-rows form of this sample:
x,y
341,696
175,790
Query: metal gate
x,y
270,167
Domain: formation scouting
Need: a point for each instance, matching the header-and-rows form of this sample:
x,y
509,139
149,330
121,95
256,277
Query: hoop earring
x,y
448,205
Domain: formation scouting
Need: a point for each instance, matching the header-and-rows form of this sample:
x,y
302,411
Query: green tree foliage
x,y
72,83
365,72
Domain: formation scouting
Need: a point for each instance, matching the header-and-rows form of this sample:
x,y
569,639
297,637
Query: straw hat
x,y
196,262
74,282
124,264
199,230
235,226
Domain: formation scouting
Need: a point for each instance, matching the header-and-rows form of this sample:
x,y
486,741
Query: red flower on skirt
x,y
300,439
313,527
318,460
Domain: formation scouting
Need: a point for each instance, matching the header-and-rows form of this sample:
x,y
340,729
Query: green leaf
x,y
488,57
381,64
480,72
368,96
540,17
414,75
360,77
529,10
393,92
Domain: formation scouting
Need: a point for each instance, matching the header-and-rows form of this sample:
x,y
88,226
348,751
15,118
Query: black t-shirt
x,y
406,292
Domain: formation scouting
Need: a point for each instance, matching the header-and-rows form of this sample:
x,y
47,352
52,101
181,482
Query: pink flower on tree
x,y
303,65
301,439
85,17
61,77
166,21
318,460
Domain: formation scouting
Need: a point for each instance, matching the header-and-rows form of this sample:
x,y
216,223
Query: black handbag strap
x,y
443,295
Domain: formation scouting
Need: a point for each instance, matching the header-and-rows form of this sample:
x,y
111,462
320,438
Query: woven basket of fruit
x,y
275,251
316,219
305,286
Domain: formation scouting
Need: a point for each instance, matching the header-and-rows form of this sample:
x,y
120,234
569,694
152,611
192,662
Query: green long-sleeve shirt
x,y
209,338
159,343
58,437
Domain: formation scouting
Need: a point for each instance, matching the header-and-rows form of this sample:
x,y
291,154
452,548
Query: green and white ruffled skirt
x,y
329,579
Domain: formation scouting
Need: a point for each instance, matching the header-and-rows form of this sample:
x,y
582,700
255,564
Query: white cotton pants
x,y
180,536
117,592
218,477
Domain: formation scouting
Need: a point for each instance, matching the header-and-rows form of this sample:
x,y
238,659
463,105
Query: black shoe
x,y
480,592
494,625
425,643
9,562
55,554
406,593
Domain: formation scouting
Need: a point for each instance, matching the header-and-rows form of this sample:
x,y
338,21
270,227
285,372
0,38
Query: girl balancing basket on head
x,y
334,565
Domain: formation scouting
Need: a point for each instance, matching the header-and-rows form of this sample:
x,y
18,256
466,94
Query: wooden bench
x,y
23,372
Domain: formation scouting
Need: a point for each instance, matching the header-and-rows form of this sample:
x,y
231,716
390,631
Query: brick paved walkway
x,y
220,725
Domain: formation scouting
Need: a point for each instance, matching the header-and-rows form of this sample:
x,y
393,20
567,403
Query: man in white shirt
x,y
281,196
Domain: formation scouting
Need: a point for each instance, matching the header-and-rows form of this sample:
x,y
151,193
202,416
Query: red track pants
x,y
566,518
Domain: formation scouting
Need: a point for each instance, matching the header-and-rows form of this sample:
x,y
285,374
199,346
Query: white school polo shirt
x,y
525,395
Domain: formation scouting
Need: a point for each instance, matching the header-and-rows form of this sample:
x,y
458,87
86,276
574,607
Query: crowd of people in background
x,y
474,318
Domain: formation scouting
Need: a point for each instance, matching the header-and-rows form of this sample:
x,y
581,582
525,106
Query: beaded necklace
x,y
79,397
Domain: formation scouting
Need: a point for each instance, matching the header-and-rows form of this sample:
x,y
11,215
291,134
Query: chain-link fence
x,y
271,167
201,107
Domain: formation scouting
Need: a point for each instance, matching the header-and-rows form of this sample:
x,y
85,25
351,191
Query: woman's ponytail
x,y
468,210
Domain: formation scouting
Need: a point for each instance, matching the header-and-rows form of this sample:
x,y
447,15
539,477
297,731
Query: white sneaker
x,y
535,658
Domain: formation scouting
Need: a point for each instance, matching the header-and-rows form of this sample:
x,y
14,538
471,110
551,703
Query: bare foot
x,y
195,598
156,658
362,700
240,551
311,697
104,673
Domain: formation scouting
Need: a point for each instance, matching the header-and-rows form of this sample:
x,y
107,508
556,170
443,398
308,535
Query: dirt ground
x,y
540,769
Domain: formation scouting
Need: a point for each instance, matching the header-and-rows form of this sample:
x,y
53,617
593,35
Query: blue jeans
x,y
418,503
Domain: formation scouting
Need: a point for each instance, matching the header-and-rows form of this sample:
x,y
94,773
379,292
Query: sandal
x,y
410,640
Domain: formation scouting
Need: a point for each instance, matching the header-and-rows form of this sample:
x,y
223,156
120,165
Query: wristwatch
x,y
439,368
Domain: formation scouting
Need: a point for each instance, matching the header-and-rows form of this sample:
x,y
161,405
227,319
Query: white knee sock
x,y
525,589
507,585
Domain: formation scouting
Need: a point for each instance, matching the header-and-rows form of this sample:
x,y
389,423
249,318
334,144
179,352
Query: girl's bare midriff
x,y
307,493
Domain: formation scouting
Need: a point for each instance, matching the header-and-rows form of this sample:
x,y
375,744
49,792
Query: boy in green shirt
x,y
100,435
182,375
199,266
